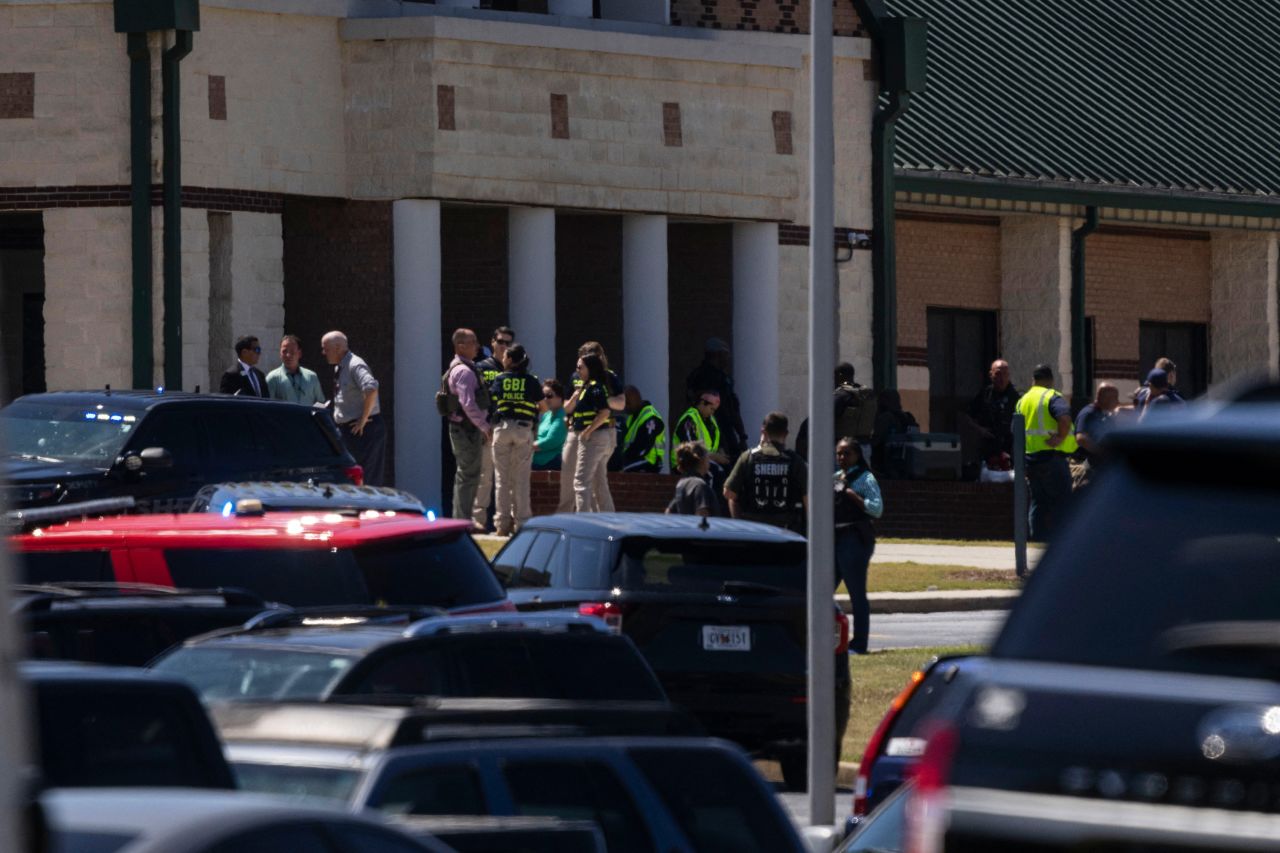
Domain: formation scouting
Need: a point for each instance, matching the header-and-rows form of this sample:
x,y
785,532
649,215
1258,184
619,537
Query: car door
x,y
180,431
539,580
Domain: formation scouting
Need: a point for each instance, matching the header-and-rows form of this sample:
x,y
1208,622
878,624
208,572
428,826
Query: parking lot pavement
x,y
974,556
797,805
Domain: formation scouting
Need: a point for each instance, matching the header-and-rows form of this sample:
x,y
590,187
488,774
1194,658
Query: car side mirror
x,y
156,457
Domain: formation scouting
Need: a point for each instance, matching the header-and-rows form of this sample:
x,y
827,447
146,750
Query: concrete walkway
x,y
974,556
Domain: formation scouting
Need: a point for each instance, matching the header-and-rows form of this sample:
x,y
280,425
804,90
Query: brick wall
x,y
473,273
338,275
1137,275
913,508
952,263
775,16
699,296
588,288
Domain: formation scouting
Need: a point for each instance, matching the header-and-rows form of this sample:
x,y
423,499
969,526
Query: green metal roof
x,y
1154,99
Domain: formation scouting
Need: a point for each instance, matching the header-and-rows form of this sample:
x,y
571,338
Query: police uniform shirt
x,y
489,369
768,480
515,396
594,397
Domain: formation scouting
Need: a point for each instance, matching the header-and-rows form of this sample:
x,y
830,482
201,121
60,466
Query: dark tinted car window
x,y
295,436
102,737
296,837
37,428
579,790
509,560
588,563
123,636
237,439
55,566
704,566
439,790
715,800
444,571
538,563
300,577
179,431
1182,584
220,673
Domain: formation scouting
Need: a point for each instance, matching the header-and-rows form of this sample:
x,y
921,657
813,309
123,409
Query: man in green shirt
x,y
291,381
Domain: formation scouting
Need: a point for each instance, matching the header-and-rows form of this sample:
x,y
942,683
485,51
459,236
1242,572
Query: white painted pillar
x,y
415,227
755,322
531,265
1035,297
645,326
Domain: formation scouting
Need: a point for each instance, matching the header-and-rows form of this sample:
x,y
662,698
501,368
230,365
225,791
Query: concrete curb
x,y
942,601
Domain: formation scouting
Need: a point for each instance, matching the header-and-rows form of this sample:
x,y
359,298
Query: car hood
x,y
17,470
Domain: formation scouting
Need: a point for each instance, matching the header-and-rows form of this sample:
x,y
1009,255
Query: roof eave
x,y
1061,192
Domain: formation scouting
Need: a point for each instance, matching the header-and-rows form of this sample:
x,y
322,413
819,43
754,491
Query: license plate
x,y
726,638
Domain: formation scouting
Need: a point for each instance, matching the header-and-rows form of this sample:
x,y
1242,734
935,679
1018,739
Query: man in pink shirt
x,y
469,428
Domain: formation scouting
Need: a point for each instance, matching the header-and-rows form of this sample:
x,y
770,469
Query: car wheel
x,y
795,769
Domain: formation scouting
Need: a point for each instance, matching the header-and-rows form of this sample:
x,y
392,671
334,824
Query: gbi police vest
x,y
512,397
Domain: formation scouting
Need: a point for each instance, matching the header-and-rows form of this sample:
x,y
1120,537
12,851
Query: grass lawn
x,y
986,543
877,678
920,577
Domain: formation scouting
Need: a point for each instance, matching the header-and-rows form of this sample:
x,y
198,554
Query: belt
x,y
372,418
517,422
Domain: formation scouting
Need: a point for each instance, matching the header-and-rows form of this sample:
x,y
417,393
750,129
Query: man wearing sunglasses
x,y
489,368
243,378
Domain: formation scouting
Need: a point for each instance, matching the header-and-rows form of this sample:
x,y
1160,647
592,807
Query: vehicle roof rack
x,y
337,616
25,519
482,622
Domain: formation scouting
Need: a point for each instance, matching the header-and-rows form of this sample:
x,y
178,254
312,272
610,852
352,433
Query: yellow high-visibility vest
x,y
1034,408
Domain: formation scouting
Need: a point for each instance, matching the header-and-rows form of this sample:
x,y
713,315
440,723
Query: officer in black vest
x,y
515,393
769,482
489,368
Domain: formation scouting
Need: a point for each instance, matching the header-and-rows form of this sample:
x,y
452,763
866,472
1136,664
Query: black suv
x,y
336,653
1132,699
160,448
718,608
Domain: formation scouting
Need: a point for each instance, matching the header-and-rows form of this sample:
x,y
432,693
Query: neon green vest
x,y
709,439
658,453
1034,408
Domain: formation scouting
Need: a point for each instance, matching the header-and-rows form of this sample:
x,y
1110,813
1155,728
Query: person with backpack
x,y
855,412
892,423
464,401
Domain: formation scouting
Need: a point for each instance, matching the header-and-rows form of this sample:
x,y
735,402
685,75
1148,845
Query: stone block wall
x,y
1245,333
1035,294
88,298
777,16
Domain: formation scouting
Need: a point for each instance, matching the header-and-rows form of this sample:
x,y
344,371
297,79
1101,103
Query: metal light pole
x,y
822,325
1019,495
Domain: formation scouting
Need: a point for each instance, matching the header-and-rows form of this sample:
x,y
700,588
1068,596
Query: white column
x,y
531,264
645,327
415,227
1244,330
755,322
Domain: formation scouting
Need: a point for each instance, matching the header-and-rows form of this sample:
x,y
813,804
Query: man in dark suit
x,y
243,378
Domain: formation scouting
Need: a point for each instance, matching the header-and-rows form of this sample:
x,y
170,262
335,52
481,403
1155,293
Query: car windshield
x,y
61,432
1190,582
706,566
219,673
291,780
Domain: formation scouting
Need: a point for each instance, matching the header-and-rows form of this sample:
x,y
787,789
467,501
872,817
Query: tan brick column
x,y
1244,331
1035,296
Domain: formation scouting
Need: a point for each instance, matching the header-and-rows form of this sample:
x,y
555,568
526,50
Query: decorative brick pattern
x,y
559,116
1127,368
210,198
217,97
775,16
17,95
798,235
913,356
699,297
672,134
444,108
782,132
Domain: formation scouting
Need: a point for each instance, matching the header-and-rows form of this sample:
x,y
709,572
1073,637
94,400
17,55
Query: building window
x,y
1187,344
962,345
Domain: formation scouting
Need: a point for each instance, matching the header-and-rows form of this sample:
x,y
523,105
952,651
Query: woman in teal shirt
x,y
552,428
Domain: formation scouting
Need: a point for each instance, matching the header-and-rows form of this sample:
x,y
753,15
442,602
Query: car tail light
x,y
842,632
926,810
610,611
355,474
876,743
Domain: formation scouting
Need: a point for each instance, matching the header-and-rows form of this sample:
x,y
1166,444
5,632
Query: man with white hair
x,y
355,407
